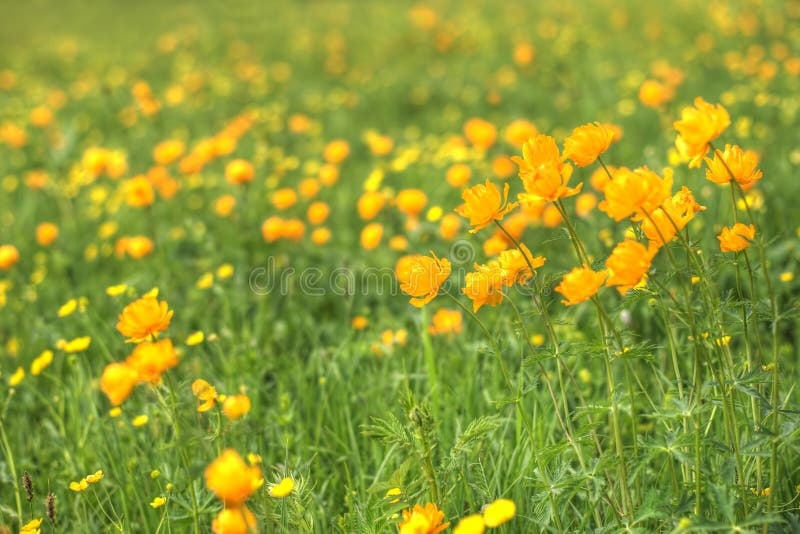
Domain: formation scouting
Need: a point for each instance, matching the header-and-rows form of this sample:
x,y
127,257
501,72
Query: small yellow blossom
x,y
787,276
205,281
225,271
114,291
79,344
195,338
97,476
68,308
158,502
17,377
499,512
79,486
282,489
139,420
116,411
393,495
43,360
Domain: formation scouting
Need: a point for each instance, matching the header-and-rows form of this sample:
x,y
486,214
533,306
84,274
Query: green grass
x,y
344,415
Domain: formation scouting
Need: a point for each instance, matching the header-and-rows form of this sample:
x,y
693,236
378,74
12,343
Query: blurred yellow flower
x,y
736,238
587,143
499,512
41,362
17,377
282,489
158,502
698,126
236,406
140,420
580,284
144,318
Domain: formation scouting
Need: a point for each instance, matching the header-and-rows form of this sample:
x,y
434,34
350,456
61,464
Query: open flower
x,y
282,489
422,276
699,125
236,406
673,215
741,164
9,256
483,204
423,520
117,382
445,321
238,520
484,285
515,265
499,512
231,479
542,171
587,143
143,318
580,284
205,393
635,193
628,265
150,360
736,238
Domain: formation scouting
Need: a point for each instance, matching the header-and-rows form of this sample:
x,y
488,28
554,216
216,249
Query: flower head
x,y
580,284
515,265
143,318
282,489
499,512
699,125
472,524
205,393
734,161
9,256
236,406
484,285
231,479
118,381
736,238
673,215
423,520
445,321
587,143
422,276
238,520
635,193
150,360
483,204
628,264
542,171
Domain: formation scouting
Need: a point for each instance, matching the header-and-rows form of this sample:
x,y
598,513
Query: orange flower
x,y
628,265
411,201
423,520
320,235
317,212
238,520
336,151
736,238
480,133
284,198
224,205
370,204
136,246
371,236
9,256
236,406
635,193
653,93
520,131
205,393
118,381
150,360
41,116
379,145
167,152
239,171
587,143
699,125
742,165
672,216
483,205
449,226
231,479
445,322
543,173
515,265
458,174
143,318
484,286
422,276
139,192
580,284
272,229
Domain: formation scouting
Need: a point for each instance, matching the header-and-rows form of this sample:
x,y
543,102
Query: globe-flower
x,y
118,381
422,276
483,204
514,263
472,524
236,406
150,360
231,479
239,171
144,318
481,133
587,143
411,201
542,171
733,161
673,215
736,238
139,192
580,284
423,520
282,489
9,256
698,126
499,512
445,321
484,285
46,234
206,394
635,193
238,520
628,265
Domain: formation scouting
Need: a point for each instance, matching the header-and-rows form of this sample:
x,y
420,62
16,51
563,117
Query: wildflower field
x,y
366,267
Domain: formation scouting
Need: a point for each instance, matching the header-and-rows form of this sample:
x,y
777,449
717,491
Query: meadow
x,y
415,267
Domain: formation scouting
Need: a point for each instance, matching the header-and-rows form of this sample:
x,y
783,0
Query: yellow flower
x,y
32,527
97,476
628,265
232,480
79,486
580,284
158,502
78,344
195,338
119,289
236,406
515,265
484,286
9,256
282,489
140,420
587,143
422,276
499,512
542,171
143,318
43,360
205,281
699,125
472,524
445,322
741,163
225,271
151,360
736,238
206,393
393,495
17,377
483,205
68,308
423,520
673,215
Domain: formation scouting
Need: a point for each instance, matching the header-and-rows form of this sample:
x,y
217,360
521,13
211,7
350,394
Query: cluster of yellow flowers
x,y
429,519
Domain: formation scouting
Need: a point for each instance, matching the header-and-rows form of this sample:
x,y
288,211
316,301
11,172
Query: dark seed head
x,y
51,506
27,482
